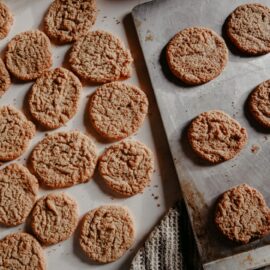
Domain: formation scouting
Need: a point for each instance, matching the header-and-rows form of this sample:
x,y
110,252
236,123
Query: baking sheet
x,y
157,22
146,208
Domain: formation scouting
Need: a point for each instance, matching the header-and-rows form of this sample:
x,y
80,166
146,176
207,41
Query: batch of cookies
x,y
63,159
197,55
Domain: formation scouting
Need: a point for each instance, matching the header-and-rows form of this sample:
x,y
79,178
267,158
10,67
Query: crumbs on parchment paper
x,y
255,148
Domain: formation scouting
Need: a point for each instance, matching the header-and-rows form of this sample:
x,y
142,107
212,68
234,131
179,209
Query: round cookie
x,y
21,251
54,98
28,55
248,28
18,191
54,218
107,233
4,77
6,20
64,159
242,214
259,104
196,55
15,133
117,110
127,167
100,57
216,137
66,21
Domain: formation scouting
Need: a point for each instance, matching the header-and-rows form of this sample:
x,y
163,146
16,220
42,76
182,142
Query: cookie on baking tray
x,y
248,28
117,110
196,55
64,159
242,214
4,78
6,20
100,57
28,55
216,137
107,233
54,218
54,98
127,167
68,20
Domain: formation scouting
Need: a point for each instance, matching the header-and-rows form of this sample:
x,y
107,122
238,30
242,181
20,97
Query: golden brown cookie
x,y
248,27
15,133
107,233
127,167
117,110
6,20
64,159
196,55
216,137
242,214
54,218
54,98
28,55
100,57
21,251
4,78
68,20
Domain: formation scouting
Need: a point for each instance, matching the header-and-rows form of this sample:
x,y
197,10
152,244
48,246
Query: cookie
x,y
18,191
6,20
127,167
259,104
68,20
28,55
4,77
100,57
248,28
15,133
216,137
242,214
64,159
54,218
196,55
107,233
54,98
21,251
117,110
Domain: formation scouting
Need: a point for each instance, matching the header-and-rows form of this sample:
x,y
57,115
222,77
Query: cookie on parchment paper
x,y
242,214
248,28
4,78
64,159
6,20
18,191
107,233
54,218
216,137
68,20
54,98
117,110
127,167
28,55
15,133
100,57
196,55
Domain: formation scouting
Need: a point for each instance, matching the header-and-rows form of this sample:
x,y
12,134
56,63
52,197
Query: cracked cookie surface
x,y
100,57
68,20
64,159
127,167
54,218
28,55
15,133
216,137
117,110
107,233
4,78
54,98
18,191
6,20
242,214
196,55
